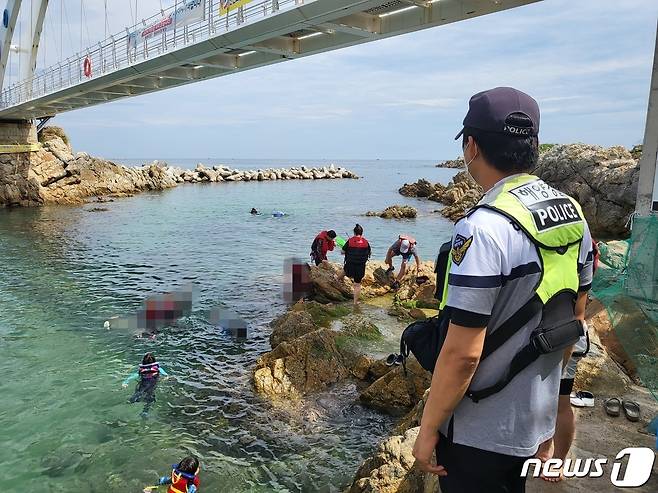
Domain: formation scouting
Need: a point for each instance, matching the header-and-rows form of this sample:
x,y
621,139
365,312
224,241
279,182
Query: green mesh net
x,y
627,285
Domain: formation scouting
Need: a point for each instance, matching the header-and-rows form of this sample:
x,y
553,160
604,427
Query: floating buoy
x,y
86,66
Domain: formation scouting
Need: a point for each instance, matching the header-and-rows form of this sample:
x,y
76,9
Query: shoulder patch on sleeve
x,y
459,248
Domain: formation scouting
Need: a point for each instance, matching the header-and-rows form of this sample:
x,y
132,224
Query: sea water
x,y
65,424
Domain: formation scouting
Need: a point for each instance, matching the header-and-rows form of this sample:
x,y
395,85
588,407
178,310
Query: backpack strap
x,y
522,360
511,326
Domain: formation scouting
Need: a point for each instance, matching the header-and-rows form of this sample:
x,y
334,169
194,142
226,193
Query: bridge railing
x,y
118,52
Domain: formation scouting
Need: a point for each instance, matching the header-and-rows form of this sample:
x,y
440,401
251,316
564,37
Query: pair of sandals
x,y
394,359
614,406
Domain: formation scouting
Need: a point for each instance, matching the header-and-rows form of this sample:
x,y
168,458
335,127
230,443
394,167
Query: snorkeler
x,y
184,477
148,374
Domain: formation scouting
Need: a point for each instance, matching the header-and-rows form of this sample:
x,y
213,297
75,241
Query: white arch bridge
x,y
201,39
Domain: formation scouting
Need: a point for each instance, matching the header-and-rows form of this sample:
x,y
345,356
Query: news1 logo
x,y
637,472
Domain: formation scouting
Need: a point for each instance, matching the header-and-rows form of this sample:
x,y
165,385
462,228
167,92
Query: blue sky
x,y
587,62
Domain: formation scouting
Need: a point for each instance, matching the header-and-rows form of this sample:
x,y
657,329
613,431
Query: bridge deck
x,y
260,33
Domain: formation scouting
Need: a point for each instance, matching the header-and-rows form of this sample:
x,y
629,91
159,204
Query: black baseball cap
x,y
490,111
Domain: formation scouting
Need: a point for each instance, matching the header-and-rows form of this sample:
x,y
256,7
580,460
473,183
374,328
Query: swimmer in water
x,y
148,374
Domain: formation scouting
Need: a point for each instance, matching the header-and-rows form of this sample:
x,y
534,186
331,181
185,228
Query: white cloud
x,y
569,55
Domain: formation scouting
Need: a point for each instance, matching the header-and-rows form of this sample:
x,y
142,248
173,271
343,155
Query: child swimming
x,y
184,477
148,374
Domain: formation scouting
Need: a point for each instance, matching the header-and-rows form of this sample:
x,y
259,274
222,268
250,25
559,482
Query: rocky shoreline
x,y
603,180
55,175
318,344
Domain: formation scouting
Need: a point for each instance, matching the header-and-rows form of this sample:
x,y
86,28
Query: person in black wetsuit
x,y
357,251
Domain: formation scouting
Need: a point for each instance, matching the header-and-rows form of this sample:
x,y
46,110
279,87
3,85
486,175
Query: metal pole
x,y
647,189
175,10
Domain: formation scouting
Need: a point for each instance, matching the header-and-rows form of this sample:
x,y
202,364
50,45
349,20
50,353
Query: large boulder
x,y
291,325
308,363
391,469
396,393
603,180
326,286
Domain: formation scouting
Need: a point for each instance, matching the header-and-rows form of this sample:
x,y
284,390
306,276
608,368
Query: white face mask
x,y
472,159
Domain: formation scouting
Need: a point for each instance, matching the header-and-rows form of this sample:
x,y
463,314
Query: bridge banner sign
x,y
225,6
186,12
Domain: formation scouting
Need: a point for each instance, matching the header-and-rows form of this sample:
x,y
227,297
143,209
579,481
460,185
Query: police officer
x,y
519,261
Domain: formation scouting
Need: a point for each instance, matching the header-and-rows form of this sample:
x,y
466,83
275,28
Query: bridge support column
x,y
18,184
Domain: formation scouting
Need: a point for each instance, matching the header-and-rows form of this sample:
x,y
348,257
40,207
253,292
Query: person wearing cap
x,y
520,260
405,246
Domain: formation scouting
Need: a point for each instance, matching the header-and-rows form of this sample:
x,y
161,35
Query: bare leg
x,y
403,269
565,431
389,260
357,292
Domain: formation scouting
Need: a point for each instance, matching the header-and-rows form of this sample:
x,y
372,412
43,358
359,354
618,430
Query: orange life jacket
x,y
181,480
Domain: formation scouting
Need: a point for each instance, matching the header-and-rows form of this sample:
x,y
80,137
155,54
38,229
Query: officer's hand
x,y
423,449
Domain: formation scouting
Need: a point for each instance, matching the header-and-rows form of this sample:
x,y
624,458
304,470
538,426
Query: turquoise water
x,y
66,425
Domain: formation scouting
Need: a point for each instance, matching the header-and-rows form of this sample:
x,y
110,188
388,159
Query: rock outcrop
x,y
55,175
308,356
391,469
396,392
603,180
452,163
421,189
395,212
459,195
328,288
305,364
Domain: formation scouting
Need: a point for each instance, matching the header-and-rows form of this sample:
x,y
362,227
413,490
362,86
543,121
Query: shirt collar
x,y
495,190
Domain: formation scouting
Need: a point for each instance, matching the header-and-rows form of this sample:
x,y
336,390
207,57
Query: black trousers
x,y
472,470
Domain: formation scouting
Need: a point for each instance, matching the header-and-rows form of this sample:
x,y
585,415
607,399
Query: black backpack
x,y
424,340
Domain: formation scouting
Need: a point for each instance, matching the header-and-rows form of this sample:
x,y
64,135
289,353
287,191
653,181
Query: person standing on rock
x,y
357,251
519,262
324,242
405,246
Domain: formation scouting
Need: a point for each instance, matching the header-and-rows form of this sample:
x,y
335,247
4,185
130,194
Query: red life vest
x,y
357,242
357,250
321,245
180,481
150,370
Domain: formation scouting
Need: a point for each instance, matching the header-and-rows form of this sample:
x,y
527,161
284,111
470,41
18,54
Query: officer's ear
x,y
470,148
